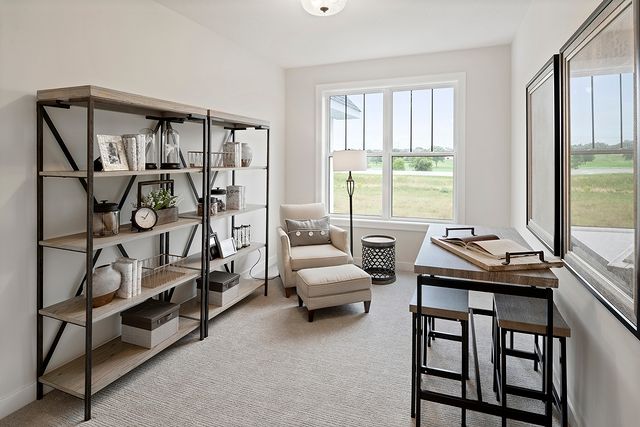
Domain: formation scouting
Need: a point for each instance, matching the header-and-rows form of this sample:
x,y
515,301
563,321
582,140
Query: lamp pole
x,y
350,188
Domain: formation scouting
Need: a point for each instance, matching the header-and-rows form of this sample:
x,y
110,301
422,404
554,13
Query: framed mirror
x,y
544,155
600,99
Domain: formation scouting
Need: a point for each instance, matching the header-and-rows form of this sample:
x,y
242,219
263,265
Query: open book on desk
x,y
491,253
489,245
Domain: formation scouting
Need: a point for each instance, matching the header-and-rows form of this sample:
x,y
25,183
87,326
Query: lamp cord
x,y
256,263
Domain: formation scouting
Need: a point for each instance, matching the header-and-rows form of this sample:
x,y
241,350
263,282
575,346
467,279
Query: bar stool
x,y
446,304
527,316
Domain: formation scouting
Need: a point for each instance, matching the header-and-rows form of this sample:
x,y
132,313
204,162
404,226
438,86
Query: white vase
x,y
106,281
247,154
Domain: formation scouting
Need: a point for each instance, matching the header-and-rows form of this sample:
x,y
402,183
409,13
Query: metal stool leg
x,y
495,356
535,349
503,372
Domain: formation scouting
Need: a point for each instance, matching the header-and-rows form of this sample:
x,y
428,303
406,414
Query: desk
x,y
436,266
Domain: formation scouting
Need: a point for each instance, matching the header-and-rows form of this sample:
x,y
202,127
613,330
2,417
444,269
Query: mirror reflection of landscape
x,y
602,158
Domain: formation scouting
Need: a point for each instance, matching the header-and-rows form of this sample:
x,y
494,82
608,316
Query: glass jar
x,y
106,219
196,159
247,235
213,206
219,196
170,149
232,154
151,148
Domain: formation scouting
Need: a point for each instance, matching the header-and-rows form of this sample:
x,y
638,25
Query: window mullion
x,y
387,147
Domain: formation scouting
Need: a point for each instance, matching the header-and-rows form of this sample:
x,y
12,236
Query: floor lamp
x,y
350,161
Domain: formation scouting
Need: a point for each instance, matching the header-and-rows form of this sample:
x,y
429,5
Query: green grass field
x,y
414,196
599,200
602,200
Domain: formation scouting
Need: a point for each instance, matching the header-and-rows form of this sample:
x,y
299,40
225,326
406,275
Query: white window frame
x,y
388,86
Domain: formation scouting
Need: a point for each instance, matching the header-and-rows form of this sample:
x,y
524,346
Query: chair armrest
x,y
284,260
340,239
285,242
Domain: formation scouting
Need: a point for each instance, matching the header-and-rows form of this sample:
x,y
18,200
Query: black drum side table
x,y
379,258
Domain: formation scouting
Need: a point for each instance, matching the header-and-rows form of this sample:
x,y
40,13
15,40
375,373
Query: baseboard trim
x,y
11,403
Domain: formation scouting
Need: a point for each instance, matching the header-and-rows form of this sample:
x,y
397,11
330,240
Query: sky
x,y
405,118
612,114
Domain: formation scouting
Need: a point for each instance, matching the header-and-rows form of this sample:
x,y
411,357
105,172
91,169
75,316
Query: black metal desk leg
x,y
564,400
465,369
413,365
418,358
503,372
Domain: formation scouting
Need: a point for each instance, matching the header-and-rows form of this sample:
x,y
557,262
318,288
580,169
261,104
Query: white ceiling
x,y
282,32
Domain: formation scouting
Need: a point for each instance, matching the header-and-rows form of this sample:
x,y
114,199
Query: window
x,y
410,134
600,166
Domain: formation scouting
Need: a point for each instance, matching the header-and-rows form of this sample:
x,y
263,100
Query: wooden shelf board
x,y
116,100
110,362
215,169
78,242
111,174
191,308
226,119
195,261
225,214
103,174
73,310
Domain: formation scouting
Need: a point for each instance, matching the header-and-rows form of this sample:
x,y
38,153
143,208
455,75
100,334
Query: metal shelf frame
x,y
92,98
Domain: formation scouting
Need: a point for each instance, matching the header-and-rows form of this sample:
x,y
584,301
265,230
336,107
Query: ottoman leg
x,y
311,313
299,301
367,304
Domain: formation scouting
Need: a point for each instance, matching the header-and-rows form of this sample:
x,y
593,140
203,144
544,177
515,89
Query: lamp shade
x,y
349,160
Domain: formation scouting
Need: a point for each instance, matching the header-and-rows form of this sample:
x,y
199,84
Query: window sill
x,y
381,224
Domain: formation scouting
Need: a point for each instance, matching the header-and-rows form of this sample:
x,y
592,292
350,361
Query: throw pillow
x,y
308,231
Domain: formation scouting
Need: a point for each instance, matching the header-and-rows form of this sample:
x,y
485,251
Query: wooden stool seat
x,y
444,303
528,315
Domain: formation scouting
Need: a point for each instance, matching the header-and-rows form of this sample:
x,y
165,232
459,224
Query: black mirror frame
x,y
551,70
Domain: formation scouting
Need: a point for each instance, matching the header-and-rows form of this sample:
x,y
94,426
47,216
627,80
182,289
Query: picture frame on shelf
x,y
112,153
227,247
214,246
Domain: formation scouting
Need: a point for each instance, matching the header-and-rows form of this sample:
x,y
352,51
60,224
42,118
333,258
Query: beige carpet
x,y
265,365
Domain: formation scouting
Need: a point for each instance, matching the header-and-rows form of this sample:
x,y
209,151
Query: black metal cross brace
x,y
68,156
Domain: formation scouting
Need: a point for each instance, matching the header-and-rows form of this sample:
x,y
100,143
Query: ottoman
x,y
332,286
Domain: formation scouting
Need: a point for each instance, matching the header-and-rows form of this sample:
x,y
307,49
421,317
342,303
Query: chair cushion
x,y
317,282
308,232
316,256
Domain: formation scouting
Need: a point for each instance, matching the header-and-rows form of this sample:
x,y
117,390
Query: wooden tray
x,y
491,264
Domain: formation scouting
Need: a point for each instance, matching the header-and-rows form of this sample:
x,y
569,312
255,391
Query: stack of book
x,y
131,277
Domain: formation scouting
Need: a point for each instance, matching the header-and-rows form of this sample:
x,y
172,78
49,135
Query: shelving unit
x,y
99,367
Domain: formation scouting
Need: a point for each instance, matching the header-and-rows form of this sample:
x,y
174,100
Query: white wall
x,y
487,130
604,374
137,46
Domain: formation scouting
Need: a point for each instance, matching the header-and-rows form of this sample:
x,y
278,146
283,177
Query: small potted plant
x,y
164,203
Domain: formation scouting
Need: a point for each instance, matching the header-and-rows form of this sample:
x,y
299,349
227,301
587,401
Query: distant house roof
x,y
338,106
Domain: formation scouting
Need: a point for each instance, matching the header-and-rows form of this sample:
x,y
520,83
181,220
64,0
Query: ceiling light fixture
x,y
323,7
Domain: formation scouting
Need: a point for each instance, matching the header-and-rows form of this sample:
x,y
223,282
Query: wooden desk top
x,y
434,260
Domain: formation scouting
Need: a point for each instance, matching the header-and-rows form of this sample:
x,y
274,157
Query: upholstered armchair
x,y
291,259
